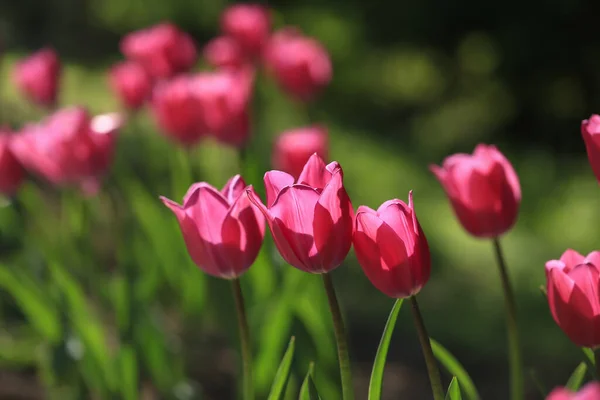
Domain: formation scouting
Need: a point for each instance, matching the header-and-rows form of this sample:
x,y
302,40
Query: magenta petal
x,y
233,188
230,250
274,182
593,258
315,173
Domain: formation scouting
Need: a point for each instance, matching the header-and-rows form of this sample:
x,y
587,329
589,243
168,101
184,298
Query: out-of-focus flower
x,y
11,171
38,76
590,130
249,25
131,83
311,219
591,391
483,188
391,248
224,52
223,232
163,49
300,64
69,147
294,147
572,285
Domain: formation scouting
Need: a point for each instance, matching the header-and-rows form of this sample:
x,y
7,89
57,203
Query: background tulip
x,y
294,147
38,76
483,188
249,25
224,52
311,220
11,171
222,230
590,130
589,392
572,285
131,83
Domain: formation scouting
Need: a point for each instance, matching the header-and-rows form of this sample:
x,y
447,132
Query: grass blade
x,y
453,392
456,369
283,373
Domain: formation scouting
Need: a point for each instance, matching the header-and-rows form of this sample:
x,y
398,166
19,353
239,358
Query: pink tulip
x,y
572,285
590,130
224,52
11,171
249,25
392,248
131,83
294,147
37,77
222,231
483,188
163,49
310,219
301,65
69,147
591,391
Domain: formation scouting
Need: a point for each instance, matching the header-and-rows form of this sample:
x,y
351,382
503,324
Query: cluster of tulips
x,y
307,209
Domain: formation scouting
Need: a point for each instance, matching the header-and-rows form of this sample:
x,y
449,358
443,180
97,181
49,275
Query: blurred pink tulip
x,y
223,232
484,190
224,52
38,76
311,218
69,147
294,147
131,83
301,65
163,49
11,170
590,130
591,391
249,25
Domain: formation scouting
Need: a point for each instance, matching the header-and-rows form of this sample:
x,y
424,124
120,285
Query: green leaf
x,y
308,390
453,392
283,373
577,377
381,356
456,369
128,369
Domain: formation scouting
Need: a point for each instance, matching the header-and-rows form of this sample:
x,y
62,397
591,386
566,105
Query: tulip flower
x,y
590,130
310,218
249,25
11,170
131,83
163,49
294,147
591,391
222,231
301,65
224,52
391,248
484,190
572,285
69,147
37,77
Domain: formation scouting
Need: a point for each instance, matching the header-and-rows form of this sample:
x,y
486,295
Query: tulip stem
x,y
340,336
432,369
248,387
514,348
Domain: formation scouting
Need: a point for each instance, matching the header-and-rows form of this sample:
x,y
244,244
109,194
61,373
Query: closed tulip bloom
x,y
572,285
224,52
391,248
301,65
484,190
222,231
163,49
249,25
37,77
310,218
590,130
591,391
11,171
294,147
131,83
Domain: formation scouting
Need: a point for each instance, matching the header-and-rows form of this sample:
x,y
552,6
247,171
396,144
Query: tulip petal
x,y
570,258
593,258
315,173
274,182
233,188
192,192
586,278
397,215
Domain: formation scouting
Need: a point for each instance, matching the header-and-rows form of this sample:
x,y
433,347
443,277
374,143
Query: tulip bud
x,y
572,285
162,49
590,130
224,52
300,64
484,190
223,233
391,248
249,25
11,171
37,77
310,220
591,391
294,147
131,83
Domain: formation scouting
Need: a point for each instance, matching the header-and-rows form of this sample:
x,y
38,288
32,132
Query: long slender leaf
x,y
381,356
283,373
577,377
453,392
128,368
455,368
308,390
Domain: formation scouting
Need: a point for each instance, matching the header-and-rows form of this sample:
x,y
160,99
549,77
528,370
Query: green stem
x,y
340,336
248,387
514,348
597,362
432,368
